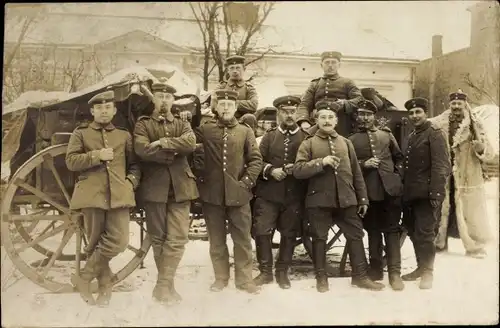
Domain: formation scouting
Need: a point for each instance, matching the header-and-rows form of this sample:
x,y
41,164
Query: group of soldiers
x,y
308,167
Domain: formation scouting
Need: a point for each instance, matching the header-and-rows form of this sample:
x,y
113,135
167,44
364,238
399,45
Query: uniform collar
x,y
325,135
96,126
161,118
239,83
284,131
372,129
232,123
331,76
423,127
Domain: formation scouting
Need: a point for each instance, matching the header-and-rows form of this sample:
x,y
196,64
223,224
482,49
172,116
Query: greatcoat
x,y
470,199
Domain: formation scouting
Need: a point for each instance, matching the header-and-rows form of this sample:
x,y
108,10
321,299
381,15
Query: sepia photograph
x,y
250,163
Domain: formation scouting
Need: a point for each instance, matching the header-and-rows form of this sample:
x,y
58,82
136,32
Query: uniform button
x,y
225,157
362,199
224,163
326,91
225,151
224,169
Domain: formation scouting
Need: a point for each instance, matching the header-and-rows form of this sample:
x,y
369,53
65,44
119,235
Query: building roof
x,y
88,29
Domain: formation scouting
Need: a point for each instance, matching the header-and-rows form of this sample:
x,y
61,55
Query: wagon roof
x,y
42,99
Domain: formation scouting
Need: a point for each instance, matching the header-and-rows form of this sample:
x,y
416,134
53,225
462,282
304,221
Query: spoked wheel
x,y
43,237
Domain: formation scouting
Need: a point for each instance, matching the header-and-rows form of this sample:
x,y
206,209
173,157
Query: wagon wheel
x,y
38,226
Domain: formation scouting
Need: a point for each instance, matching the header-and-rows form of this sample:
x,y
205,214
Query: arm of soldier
x,y
264,151
354,96
306,105
76,157
250,105
305,167
397,154
143,149
440,164
253,160
357,176
184,145
487,153
133,167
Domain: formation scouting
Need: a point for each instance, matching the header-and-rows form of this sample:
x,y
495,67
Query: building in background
x,y
474,69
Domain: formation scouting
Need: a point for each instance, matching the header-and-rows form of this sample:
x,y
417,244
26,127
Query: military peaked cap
x,y
233,60
459,95
286,101
163,86
103,97
226,94
367,105
327,104
331,54
417,102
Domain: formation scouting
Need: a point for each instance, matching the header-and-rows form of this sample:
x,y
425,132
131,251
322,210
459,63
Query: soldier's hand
x,y
332,161
478,146
106,154
288,169
305,125
362,209
156,143
372,163
435,203
186,115
278,174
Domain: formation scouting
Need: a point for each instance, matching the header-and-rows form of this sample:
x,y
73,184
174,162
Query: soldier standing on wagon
x,y
104,157
336,193
426,168
279,202
247,99
381,161
232,163
168,185
333,87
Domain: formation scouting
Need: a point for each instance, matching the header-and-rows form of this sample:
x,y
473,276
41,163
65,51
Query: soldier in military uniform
x,y
279,196
247,100
232,163
168,185
103,156
426,168
381,161
336,194
330,86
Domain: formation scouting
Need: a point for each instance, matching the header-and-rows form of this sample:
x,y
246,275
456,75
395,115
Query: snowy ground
x,y
465,292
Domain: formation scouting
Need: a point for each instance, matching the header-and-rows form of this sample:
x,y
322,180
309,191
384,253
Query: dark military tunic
x,y
247,101
102,184
331,87
165,168
279,203
379,143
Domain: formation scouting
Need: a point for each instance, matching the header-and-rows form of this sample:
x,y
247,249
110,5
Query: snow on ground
x,y
465,292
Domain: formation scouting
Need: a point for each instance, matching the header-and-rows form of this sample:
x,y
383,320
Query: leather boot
x,y
265,259
170,261
375,250
105,283
415,274
394,260
428,254
285,255
87,274
159,290
319,254
359,266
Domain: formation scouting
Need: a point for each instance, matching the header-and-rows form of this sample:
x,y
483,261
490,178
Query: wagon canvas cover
x,y
14,115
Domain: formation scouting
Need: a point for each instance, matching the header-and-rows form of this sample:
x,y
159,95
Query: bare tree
x,y
227,29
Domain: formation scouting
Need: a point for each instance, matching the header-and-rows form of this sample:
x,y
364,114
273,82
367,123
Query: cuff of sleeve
x,y
363,201
133,180
94,158
249,183
266,171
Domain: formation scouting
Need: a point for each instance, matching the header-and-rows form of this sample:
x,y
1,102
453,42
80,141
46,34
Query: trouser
x,y
168,228
269,216
382,220
239,224
452,229
321,220
420,219
107,230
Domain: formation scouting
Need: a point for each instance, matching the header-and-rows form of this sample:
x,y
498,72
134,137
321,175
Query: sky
x,y
399,29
